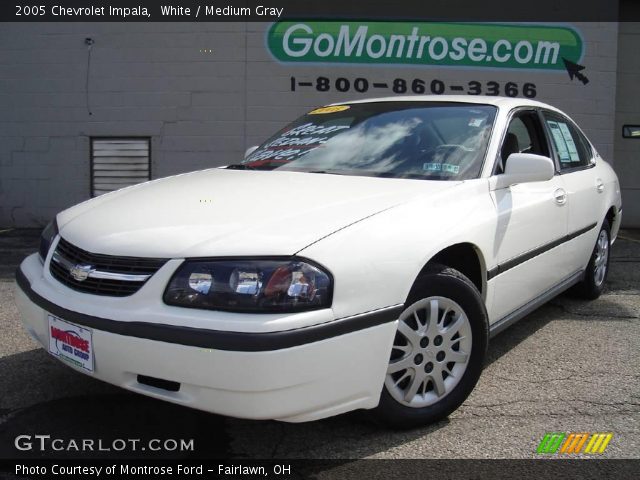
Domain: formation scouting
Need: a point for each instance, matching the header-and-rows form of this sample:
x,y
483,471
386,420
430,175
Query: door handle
x,y
599,185
560,196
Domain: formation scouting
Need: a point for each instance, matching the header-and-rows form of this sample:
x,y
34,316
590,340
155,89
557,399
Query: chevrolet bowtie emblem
x,y
81,272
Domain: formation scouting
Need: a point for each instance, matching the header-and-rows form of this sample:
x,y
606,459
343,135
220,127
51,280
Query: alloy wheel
x,y
430,353
602,258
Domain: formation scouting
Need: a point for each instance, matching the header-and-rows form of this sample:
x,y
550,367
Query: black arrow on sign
x,y
573,69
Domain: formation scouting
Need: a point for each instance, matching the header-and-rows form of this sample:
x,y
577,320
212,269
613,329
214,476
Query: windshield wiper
x,y
328,172
240,166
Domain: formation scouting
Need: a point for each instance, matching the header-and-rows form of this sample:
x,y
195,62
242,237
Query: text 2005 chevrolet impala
x,y
360,258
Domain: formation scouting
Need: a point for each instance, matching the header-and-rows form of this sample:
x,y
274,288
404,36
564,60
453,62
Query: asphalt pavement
x,y
571,366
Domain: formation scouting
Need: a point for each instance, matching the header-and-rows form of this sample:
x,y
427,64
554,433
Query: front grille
x,y
73,255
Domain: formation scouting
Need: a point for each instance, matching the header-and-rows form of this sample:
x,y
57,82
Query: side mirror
x,y
524,168
250,150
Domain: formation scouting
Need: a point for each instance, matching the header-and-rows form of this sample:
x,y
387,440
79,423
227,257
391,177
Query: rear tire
x,y
597,269
438,352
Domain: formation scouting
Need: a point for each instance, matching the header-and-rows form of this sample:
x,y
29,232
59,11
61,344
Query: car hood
x,y
220,212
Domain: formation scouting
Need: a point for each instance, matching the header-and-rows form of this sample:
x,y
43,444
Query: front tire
x,y
597,269
438,351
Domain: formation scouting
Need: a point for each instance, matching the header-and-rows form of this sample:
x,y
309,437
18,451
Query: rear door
x,y
576,162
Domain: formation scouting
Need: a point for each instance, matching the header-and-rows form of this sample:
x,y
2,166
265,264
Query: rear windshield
x,y
439,141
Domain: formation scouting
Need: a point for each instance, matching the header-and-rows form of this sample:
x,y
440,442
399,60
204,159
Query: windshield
x,y
424,140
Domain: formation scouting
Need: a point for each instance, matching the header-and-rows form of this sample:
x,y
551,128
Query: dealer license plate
x,y
70,343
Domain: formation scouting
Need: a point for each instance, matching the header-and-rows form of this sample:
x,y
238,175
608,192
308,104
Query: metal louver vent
x,y
118,162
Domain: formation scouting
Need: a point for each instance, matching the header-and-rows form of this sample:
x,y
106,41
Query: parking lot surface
x,y
571,366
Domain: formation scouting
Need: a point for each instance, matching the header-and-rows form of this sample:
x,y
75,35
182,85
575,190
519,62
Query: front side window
x,y
572,149
423,140
524,135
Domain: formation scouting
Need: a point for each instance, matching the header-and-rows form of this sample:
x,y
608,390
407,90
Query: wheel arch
x,y
465,257
613,217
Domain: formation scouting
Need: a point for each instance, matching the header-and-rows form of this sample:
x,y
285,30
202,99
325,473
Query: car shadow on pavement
x,y
510,338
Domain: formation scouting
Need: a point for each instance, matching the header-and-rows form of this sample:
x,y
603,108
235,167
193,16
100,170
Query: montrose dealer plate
x,y
70,343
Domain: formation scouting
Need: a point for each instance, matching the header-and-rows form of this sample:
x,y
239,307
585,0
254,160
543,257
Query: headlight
x,y
288,285
47,236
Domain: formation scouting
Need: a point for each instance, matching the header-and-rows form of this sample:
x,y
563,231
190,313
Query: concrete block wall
x,y
627,150
157,80
201,108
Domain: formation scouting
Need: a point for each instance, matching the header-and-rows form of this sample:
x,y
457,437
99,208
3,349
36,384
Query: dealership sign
x,y
522,46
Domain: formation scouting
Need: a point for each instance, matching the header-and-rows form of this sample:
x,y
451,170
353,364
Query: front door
x,y
532,222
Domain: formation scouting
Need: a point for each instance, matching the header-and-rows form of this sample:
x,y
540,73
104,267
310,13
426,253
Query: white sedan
x,y
358,259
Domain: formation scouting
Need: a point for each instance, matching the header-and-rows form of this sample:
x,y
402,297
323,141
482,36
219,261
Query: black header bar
x,y
273,10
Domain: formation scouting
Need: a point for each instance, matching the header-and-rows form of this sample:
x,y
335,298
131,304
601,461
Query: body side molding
x,y
514,262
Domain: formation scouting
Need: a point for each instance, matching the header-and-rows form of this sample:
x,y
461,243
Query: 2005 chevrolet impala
x,y
359,258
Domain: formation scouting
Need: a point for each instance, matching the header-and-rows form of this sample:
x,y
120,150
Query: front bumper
x,y
296,374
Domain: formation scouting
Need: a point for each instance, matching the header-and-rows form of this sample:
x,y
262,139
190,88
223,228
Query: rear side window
x,y
572,149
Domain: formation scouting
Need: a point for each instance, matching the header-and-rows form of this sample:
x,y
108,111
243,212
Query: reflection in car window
x,y
572,149
428,140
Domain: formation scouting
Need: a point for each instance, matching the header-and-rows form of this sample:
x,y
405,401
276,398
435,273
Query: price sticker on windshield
x,y
329,109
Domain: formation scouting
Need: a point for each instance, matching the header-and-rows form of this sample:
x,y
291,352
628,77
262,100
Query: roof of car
x,y
502,102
